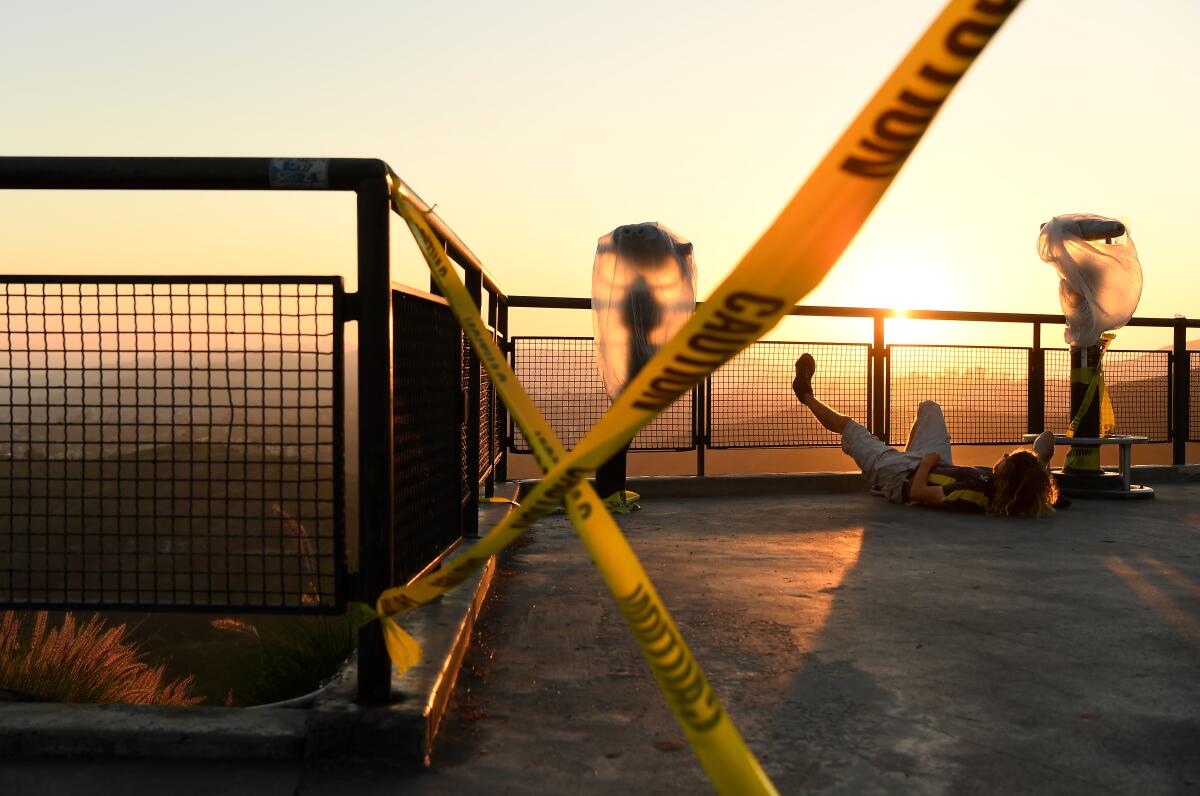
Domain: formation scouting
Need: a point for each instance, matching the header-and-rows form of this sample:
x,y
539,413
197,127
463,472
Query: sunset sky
x,y
538,127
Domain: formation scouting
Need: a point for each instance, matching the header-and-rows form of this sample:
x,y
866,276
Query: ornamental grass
x,y
82,663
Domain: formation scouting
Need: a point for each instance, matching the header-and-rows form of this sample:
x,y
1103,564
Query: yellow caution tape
x,y
510,501
789,260
791,257
717,743
1094,375
1108,418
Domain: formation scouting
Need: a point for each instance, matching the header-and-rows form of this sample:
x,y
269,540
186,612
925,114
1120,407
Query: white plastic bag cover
x,y
1100,283
643,291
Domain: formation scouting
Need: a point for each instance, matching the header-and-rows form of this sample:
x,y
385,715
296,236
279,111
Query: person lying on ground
x,y
1018,485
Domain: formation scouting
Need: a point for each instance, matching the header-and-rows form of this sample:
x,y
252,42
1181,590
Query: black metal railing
x,y
427,444
560,375
991,395
982,390
751,404
1139,384
171,442
162,469
1191,387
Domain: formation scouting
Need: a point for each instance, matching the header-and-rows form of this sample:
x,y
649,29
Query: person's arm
x,y
921,490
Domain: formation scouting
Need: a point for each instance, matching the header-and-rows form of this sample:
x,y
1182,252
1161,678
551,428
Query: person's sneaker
x,y
806,366
1043,447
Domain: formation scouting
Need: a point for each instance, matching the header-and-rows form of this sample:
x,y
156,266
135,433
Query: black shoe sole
x,y
806,367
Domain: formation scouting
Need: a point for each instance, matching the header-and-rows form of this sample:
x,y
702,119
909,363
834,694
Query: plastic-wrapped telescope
x,y
1100,276
1100,283
643,291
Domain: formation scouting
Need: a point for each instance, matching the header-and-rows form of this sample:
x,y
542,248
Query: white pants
x,y
886,468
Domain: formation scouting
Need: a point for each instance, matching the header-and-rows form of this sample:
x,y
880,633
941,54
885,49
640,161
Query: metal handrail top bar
x,y
167,279
210,174
571,303
458,251
176,173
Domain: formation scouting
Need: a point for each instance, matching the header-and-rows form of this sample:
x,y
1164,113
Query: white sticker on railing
x,y
299,173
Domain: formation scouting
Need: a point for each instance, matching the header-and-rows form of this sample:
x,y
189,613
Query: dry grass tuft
x,y
87,663
308,556
286,657
231,625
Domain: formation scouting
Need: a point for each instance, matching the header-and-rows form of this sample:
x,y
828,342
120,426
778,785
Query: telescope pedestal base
x,y
1098,484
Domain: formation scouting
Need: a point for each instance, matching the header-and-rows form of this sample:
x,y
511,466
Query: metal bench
x,y
1101,484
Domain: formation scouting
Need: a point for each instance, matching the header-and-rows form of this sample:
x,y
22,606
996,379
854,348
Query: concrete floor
x,y
860,648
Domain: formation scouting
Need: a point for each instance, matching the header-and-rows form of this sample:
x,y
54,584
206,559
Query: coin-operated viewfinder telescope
x,y
1100,284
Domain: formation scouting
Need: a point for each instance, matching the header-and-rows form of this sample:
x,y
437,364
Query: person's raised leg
x,y
882,466
929,433
833,421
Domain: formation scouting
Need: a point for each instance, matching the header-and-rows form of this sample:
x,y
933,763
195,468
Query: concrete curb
x,y
771,484
664,486
43,729
334,727
747,485
406,730
1164,473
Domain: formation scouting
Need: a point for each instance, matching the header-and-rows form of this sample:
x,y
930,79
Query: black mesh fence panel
x,y
982,391
1138,382
427,432
486,423
170,444
561,377
1194,396
466,473
1058,389
751,403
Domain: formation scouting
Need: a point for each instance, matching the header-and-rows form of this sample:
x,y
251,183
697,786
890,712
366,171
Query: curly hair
x,y
1022,487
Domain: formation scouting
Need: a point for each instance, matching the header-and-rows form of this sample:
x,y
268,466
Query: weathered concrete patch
x,y
861,648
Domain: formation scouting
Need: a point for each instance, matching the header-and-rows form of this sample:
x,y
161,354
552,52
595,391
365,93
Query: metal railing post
x,y
375,465
1181,370
700,423
1036,388
470,509
502,434
878,382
